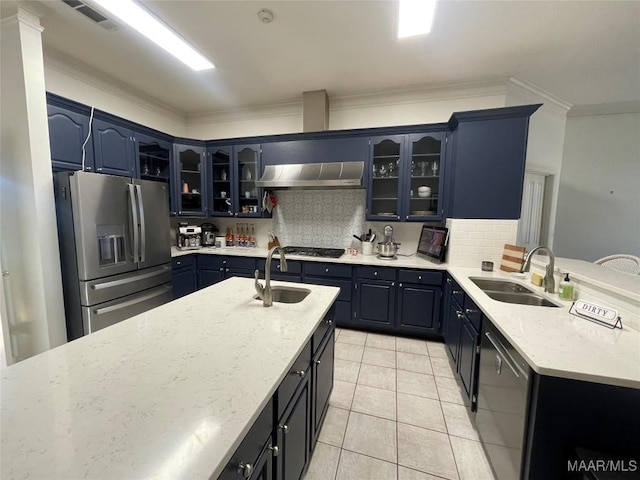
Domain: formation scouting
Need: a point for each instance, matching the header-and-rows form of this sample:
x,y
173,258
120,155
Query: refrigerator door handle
x,y
119,306
125,281
143,230
134,217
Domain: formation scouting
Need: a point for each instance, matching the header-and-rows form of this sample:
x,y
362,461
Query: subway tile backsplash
x,y
473,240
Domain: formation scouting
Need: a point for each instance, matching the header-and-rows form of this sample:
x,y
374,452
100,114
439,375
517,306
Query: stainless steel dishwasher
x,y
503,403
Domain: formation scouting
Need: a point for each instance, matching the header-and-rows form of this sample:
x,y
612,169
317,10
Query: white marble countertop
x,y
406,261
556,343
553,341
169,393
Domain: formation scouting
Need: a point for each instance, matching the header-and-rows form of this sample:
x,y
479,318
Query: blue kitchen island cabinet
x,y
114,148
68,131
418,305
488,156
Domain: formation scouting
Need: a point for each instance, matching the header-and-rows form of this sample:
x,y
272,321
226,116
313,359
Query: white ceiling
x,y
582,52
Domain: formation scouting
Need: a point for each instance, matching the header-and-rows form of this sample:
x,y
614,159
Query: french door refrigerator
x,y
114,248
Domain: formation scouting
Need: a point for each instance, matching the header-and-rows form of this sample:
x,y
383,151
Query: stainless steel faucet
x,y
549,282
265,292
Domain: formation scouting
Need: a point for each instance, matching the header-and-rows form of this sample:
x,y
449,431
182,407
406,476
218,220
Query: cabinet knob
x,y
88,169
326,270
99,169
178,263
469,311
317,362
393,284
300,373
274,450
329,321
284,428
221,269
407,217
375,274
460,314
449,281
398,284
245,469
456,292
419,277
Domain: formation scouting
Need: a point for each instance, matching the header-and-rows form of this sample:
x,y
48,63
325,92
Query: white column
x,y
33,315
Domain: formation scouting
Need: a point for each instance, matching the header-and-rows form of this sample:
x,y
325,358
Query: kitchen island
x,y
170,393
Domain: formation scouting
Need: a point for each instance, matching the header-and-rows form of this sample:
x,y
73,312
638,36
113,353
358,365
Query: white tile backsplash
x,y
472,241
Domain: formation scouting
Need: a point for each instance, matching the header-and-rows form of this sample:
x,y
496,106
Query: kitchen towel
x,y
512,258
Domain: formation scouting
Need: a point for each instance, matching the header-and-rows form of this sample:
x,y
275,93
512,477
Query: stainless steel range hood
x,y
313,175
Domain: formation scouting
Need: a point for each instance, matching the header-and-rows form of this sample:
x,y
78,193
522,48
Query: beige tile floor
x,y
396,413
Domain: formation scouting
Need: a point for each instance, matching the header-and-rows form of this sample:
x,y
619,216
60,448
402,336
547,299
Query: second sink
x,y
511,292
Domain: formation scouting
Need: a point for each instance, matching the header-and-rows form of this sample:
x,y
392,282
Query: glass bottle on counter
x,y
252,237
229,239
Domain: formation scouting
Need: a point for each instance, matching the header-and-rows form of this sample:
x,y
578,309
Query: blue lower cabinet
x,y
209,275
418,308
183,276
293,437
374,303
322,374
468,357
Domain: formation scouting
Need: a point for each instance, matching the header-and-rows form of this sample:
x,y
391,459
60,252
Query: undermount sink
x,y
511,292
288,294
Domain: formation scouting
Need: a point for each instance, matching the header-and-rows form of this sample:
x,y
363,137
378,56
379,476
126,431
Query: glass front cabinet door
x,y
385,174
221,182
154,162
424,188
247,197
190,167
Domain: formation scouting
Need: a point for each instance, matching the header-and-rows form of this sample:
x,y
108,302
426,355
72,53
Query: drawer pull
x,y
469,311
329,321
456,292
300,373
284,428
178,263
245,469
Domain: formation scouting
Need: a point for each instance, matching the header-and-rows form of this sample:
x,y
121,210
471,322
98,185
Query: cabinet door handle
x,y
245,469
274,450
329,321
449,281
221,269
300,373
456,292
400,285
178,263
317,362
226,270
460,314
284,428
469,311
393,284
407,217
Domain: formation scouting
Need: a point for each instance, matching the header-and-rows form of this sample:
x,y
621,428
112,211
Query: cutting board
x,y
512,258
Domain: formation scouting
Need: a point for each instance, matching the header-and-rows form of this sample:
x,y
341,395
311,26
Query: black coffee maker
x,y
208,234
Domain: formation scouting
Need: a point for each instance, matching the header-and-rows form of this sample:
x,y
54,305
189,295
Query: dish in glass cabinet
x,y
386,214
422,213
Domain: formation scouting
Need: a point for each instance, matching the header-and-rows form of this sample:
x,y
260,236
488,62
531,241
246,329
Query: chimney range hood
x,y
313,175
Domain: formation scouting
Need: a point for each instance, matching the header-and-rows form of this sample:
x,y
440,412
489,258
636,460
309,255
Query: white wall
x,y
385,108
599,200
70,79
545,144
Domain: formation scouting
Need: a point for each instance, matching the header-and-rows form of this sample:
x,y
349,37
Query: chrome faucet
x,y
265,292
549,282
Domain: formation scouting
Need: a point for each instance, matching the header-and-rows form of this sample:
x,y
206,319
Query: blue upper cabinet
x,y
327,150
220,181
489,154
190,188
68,131
247,198
114,148
384,177
424,176
405,177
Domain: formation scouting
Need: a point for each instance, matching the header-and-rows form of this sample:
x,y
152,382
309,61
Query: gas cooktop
x,y
315,251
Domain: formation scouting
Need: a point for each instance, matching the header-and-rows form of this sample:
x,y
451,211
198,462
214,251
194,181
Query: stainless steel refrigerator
x,y
114,248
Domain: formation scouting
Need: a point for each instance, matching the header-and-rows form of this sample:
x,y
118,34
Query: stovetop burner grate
x,y
315,251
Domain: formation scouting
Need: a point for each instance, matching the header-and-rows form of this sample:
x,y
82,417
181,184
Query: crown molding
x,y
287,109
67,65
24,15
539,94
605,109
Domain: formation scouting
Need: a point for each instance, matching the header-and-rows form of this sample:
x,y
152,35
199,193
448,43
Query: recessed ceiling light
x,y
415,17
135,16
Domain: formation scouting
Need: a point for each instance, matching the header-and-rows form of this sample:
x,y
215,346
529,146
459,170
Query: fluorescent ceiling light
x,y
135,16
415,17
